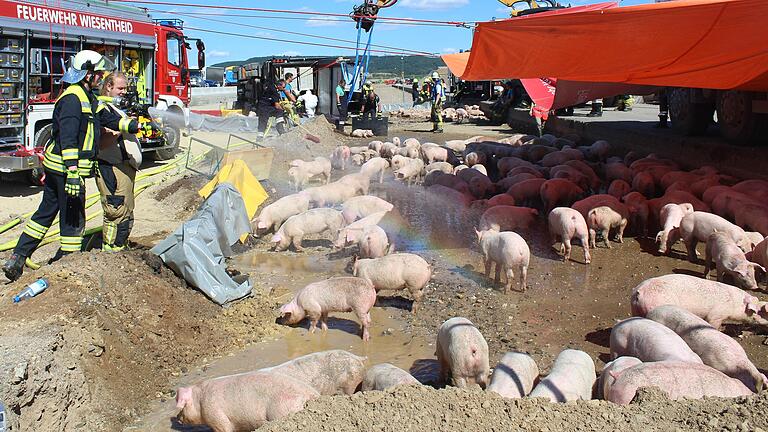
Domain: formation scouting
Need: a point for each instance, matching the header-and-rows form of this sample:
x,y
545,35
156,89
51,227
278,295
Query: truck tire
x,y
173,137
687,117
43,136
735,117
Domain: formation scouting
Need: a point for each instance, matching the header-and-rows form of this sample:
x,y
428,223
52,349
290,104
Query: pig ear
x,y
613,374
758,266
276,238
750,304
183,395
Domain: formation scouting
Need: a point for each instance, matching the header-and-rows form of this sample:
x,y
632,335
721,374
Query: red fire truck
x,y
36,43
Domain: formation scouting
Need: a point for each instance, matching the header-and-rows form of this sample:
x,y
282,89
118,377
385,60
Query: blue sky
x,y
420,38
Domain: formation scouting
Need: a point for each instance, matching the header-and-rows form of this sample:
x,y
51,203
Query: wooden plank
x,y
258,160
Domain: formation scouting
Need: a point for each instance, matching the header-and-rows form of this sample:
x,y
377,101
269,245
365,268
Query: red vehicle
x,y
36,44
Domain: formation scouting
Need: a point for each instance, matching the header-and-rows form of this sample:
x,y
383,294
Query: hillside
x,y
413,66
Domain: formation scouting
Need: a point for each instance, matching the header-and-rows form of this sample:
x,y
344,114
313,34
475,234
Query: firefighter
x,y
119,159
597,108
70,158
415,91
269,104
437,96
372,106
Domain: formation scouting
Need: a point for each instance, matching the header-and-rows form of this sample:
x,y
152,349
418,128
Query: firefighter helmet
x,y
85,61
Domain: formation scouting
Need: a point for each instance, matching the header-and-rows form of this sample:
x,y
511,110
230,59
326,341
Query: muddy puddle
x,y
391,339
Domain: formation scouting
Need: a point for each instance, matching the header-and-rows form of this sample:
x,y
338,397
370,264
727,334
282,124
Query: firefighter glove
x,y
148,127
74,183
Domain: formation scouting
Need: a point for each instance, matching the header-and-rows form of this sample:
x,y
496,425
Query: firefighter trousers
x,y
71,211
437,115
115,183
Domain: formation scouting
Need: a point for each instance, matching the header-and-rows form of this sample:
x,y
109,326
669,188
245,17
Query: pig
x,y
602,219
384,375
508,251
759,254
360,181
445,167
698,226
639,213
755,238
753,216
570,173
514,375
447,180
729,259
375,145
481,169
571,378
314,221
358,159
676,379
527,192
560,157
556,192
649,341
459,168
508,218
599,150
433,153
334,372
712,301
388,150
619,188
473,158
618,171
612,371
502,200
713,192
462,353
356,150
374,242
352,233
375,166
566,223
338,294
670,217
340,156
456,145
583,206
301,172
678,176
644,183
480,185
360,133
716,349
410,172
361,206
330,194
399,161
218,402
411,142
506,164
395,272
461,115
276,213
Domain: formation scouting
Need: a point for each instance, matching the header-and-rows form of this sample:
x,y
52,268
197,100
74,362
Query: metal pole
x,y
402,76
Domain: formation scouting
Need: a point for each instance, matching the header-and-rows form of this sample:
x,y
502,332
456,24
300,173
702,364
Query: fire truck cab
x,y
36,44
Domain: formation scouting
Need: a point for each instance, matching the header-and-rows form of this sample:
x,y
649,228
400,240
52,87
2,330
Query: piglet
x,y
374,242
276,213
729,259
601,220
361,206
649,341
571,378
218,402
340,156
395,272
670,217
462,352
352,233
508,251
383,376
698,226
566,223
514,375
676,379
508,218
339,294
314,221
612,371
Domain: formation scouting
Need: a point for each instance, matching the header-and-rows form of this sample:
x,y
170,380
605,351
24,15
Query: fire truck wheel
x,y
172,136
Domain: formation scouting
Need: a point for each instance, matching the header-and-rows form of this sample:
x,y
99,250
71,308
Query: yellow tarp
x,y
238,175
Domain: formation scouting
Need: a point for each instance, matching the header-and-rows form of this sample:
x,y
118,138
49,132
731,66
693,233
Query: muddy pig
x,y
220,402
508,218
729,259
411,172
716,349
649,341
619,188
527,192
565,224
670,217
676,379
571,378
508,251
395,272
514,375
601,220
334,372
361,206
313,221
612,371
276,213
339,294
384,375
463,353
556,192
712,301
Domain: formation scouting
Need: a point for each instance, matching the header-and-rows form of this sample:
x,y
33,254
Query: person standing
x,y
415,91
119,159
437,98
269,104
288,99
372,106
70,158
310,102
341,102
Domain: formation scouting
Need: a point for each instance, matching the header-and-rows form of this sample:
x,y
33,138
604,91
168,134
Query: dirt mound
x,y
109,335
424,408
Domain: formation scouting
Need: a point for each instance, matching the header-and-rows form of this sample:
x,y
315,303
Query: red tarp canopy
x,y
720,44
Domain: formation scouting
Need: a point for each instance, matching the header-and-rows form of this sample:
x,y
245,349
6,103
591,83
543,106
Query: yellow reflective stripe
x,y
70,154
32,233
124,124
37,227
109,233
100,107
53,165
88,143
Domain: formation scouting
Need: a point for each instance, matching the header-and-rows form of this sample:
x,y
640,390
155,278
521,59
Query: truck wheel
x,y
735,117
687,117
172,137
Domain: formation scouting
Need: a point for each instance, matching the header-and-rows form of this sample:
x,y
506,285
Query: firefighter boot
x,y
597,109
14,267
59,255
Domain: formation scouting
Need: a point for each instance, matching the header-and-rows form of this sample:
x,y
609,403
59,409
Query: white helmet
x,y
83,62
435,75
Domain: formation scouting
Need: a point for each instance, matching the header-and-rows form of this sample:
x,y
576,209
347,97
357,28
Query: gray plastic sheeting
x,y
197,249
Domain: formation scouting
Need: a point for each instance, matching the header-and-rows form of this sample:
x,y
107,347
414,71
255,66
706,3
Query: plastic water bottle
x,y
32,290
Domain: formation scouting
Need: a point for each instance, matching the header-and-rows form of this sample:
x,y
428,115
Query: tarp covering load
x,y
196,251
717,44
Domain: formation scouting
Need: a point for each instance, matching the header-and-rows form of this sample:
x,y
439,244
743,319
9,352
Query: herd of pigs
x,y
673,340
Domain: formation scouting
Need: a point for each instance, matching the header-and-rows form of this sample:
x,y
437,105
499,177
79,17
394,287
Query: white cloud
x,y
322,22
218,53
432,4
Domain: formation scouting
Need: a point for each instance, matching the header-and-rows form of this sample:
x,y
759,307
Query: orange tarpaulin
x,y
719,44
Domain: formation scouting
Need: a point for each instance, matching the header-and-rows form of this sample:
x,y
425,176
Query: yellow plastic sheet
x,y
238,175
